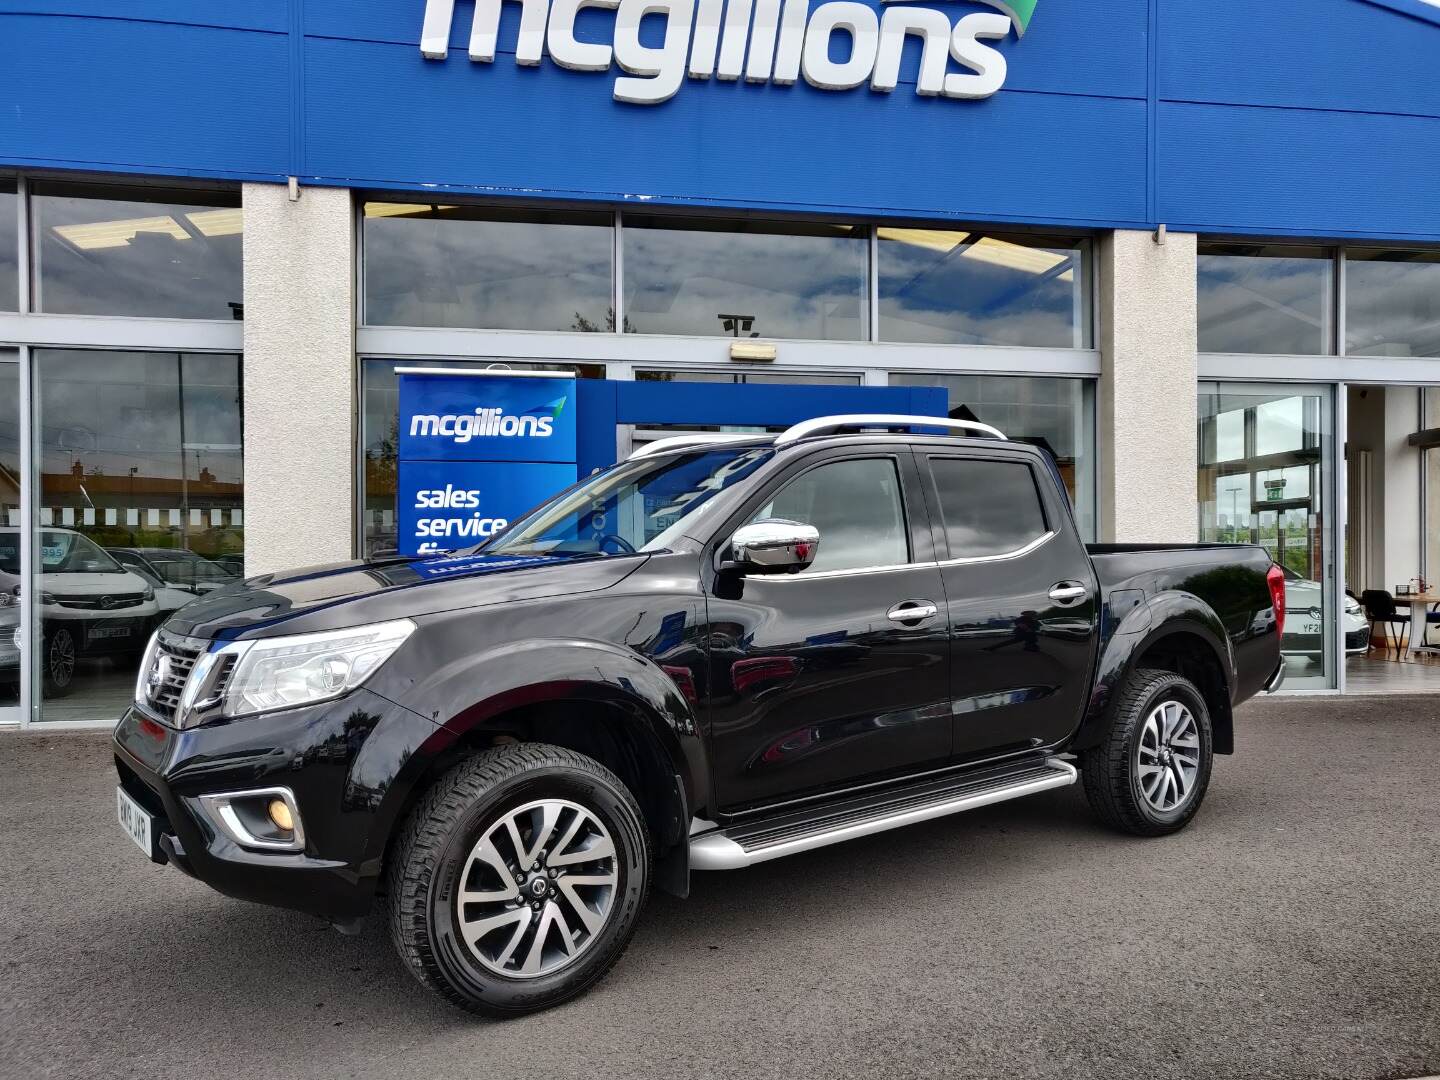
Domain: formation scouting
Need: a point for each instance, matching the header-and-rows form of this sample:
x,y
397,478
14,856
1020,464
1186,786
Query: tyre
x,y
59,662
1148,777
517,881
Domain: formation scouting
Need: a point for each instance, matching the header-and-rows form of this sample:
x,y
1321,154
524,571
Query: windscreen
x,y
639,505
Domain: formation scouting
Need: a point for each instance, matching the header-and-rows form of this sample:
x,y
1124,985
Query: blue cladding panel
x,y
1305,54
272,15
1341,146
549,131
114,94
1321,173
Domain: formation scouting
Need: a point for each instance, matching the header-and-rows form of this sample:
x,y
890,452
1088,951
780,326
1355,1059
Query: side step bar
x,y
743,845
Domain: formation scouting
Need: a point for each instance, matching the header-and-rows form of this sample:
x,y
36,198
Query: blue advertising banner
x,y
447,505
476,451
482,417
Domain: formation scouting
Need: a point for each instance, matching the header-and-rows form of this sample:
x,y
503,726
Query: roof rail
x,y
823,425
682,442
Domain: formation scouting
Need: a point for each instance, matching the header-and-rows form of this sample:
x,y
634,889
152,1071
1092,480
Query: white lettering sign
x,y
783,40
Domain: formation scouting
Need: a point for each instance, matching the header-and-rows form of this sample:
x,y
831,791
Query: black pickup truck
x,y
724,650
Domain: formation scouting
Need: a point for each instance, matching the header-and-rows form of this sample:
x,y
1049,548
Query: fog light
x,y
280,815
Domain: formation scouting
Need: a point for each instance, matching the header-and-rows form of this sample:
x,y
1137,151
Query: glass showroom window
x,y
745,279
485,268
139,510
1392,303
380,437
1259,298
9,533
102,250
9,250
1265,472
1056,413
968,288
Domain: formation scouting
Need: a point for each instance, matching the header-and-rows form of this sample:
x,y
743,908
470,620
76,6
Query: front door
x,y
838,675
1022,602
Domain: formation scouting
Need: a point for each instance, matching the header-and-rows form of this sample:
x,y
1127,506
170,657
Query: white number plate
x,y
137,823
1310,628
100,632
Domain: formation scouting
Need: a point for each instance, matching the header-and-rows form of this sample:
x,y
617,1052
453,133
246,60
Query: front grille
x,y
170,668
114,602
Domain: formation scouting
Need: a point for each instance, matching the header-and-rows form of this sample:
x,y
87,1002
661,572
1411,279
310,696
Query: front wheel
x,y
1149,775
518,880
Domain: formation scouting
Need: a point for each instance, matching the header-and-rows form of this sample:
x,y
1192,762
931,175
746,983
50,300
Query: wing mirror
x,y
772,546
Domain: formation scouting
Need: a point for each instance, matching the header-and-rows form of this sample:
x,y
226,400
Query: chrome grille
x,y
109,603
170,668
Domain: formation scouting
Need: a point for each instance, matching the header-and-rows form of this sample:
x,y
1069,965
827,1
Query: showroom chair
x,y
1380,608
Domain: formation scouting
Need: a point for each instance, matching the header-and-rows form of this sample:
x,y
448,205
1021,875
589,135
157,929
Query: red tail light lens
x,y
1275,578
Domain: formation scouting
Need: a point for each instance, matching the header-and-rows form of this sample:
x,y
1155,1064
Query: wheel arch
x,y
1185,636
616,707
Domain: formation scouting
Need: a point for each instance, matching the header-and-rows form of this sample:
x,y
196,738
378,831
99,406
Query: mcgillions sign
x,y
764,40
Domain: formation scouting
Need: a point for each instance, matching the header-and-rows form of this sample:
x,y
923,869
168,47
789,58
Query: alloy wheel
x,y
60,658
1169,756
537,889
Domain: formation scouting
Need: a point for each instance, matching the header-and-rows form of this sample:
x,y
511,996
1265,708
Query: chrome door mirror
x,y
773,546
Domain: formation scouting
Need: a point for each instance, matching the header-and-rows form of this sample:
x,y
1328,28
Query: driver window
x,y
857,507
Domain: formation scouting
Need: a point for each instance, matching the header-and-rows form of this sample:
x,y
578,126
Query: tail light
x,y
1275,578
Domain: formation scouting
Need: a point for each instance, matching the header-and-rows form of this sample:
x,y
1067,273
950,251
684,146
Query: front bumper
x,y
346,762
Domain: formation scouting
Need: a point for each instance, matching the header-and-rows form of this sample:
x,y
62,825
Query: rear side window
x,y
988,507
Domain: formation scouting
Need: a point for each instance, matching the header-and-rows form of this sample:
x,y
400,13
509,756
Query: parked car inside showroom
x,y
178,567
1305,618
89,604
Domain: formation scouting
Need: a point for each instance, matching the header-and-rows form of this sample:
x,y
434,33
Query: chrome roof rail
x,y
824,425
683,442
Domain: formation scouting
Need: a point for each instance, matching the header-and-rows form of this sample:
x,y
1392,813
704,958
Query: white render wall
x,y
1148,395
299,377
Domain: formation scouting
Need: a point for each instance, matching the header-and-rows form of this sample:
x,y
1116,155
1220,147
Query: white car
x,y
1305,618
89,604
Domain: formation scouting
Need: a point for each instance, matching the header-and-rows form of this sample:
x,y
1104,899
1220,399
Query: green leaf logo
x,y
1020,12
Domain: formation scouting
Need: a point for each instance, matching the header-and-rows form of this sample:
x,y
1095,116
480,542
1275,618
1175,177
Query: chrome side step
x,y
746,844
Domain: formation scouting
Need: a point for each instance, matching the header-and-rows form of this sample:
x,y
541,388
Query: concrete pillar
x,y
1148,397
299,377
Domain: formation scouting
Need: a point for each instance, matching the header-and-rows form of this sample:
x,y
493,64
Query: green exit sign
x,y
1274,490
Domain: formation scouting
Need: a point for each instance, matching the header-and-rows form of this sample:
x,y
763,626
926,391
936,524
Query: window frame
x,y
913,505
1044,495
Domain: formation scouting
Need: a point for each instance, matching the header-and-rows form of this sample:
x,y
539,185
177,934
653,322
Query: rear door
x,y
1022,600
838,675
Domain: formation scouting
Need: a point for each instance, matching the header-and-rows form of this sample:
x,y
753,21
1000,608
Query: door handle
x,y
1068,592
908,611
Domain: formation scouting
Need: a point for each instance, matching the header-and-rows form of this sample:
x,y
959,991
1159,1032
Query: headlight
x,y
1352,607
281,673
149,594
47,597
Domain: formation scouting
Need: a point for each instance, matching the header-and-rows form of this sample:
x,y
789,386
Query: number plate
x,y
1310,628
99,633
136,821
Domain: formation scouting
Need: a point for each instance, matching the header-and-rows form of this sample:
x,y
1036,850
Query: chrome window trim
x,y
825,575
1018,553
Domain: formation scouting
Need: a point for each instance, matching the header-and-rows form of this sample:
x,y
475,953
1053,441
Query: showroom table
x,y
1419,605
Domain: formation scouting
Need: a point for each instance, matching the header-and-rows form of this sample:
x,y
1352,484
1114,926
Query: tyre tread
x,y
423,837
1105,769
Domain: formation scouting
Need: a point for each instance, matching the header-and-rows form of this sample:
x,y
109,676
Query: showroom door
x,y
1268,476
10,474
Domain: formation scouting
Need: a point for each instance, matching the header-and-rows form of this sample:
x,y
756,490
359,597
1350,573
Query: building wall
x,y
1282,117
299,377
1148,406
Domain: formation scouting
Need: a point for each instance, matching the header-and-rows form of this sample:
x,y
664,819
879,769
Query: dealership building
x,y
1192,249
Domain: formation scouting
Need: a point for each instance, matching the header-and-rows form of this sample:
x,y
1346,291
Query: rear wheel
x,y
518,880
1150,774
